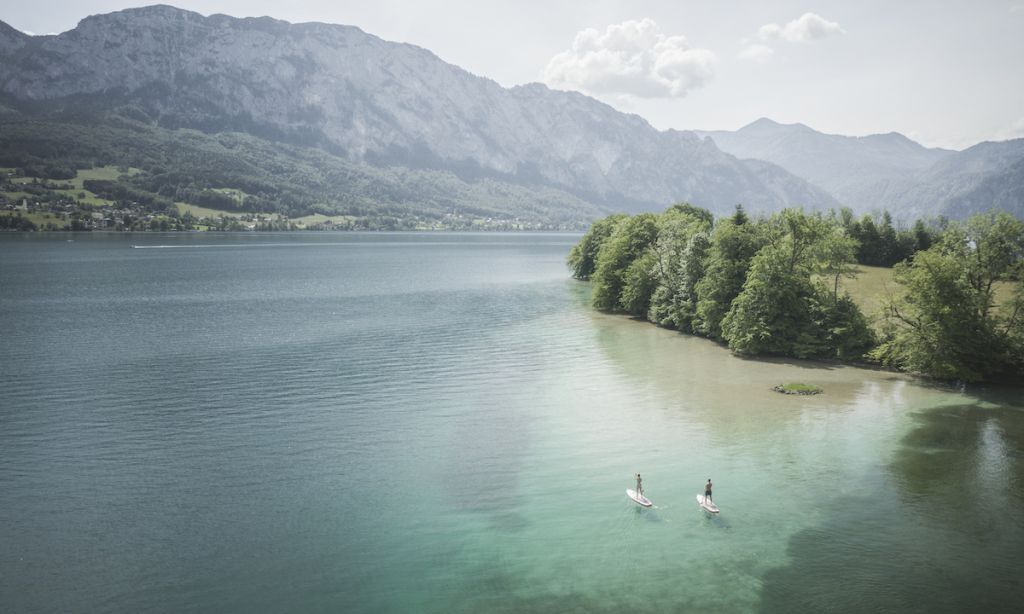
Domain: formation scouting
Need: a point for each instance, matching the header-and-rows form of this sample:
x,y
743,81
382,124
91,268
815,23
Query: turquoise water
x,y
439,423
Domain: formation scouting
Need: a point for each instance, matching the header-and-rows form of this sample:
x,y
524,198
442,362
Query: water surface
x,y
438,422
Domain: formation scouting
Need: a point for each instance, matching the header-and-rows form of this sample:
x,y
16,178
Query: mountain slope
x,y
847,167
11,39
189,166
889,171
372,101
987,176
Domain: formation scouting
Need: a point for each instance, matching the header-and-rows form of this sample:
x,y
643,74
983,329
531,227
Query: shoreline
x,y
918,378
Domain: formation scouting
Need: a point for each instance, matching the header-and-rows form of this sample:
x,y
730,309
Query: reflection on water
x,y
941,531
893,495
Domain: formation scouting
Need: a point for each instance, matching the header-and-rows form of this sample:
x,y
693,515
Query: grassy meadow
x,y
198,211
77,184
870,289
319,218
873,286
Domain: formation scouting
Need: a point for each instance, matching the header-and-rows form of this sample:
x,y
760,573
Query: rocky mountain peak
x,y
11,39
765,127
761,124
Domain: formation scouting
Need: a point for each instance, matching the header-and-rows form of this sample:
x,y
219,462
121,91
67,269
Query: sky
x,y
946,73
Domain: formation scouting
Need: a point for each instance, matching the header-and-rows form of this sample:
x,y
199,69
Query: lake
x,y
391,422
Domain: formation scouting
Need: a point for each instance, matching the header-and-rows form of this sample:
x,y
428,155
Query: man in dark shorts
x,y
707,491
639,486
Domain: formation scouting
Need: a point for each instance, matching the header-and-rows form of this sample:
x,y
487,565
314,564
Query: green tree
x,y
934,328
639,283
923,239
1015,328
837,255
771,310
734,242
840,323
630,239
674,304
992,244
781,310
680,251
889,250
870,242
583,256
698,214
946,322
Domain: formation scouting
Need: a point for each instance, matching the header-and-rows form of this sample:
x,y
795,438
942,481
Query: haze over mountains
x,y
391,124
889,171
843,165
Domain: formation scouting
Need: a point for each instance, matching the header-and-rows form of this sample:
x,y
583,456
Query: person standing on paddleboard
x,y
639,486
707,491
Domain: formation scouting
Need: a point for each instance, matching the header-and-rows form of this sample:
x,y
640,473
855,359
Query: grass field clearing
x,y
874,285
101,172
198,211
39,219
870,288
319,218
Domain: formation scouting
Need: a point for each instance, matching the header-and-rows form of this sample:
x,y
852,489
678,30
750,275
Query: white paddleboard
x,y
707,505
642,500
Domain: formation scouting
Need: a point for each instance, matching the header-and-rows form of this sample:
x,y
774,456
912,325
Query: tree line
x,y
879,243
771,286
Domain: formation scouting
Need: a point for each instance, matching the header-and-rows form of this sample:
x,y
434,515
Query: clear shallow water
x,y
438,422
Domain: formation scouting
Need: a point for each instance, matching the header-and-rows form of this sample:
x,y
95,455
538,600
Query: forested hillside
x,y
191,167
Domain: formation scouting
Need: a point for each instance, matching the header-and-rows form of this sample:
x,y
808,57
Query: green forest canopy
x,y
771,286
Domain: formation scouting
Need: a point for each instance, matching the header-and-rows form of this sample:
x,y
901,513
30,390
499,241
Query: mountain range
x,y
888,171
359,122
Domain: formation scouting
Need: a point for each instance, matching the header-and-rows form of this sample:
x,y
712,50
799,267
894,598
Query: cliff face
x,y
385,103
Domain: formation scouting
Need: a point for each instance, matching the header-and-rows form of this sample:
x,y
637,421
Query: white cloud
x,y
633,58
756,53
807,27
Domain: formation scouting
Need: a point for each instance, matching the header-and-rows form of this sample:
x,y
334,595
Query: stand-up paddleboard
x,y
642,500
707,505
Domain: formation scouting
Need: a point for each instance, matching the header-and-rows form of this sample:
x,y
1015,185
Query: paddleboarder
x,y
707,490
639,486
